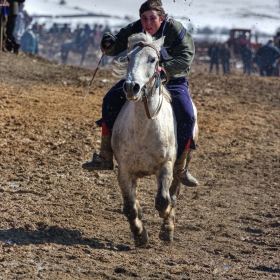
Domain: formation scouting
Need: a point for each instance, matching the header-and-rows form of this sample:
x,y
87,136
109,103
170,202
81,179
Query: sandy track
x,y
59,222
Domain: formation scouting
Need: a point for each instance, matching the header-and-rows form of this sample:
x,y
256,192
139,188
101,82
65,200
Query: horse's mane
x,y
135,39
120,65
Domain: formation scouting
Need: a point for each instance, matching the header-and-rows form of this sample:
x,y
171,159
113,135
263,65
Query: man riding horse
x,y
176,57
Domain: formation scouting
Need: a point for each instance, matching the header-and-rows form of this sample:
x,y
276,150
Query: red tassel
x,y
105,130
188,145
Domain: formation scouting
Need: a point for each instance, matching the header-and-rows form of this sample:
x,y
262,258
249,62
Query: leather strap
x,y
155,76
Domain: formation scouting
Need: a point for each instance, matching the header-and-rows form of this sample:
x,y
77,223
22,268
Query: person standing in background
x,y
11,44
225,57
214,52
4,18
22,22
29,40
267,56
247,58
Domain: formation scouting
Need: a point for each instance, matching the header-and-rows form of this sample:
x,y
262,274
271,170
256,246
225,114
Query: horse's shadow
x,y
54,234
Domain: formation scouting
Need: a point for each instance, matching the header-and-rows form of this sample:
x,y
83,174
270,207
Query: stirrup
x,y
98,165
188,180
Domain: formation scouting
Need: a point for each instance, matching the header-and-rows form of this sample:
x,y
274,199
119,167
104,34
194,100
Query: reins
x,y
157,83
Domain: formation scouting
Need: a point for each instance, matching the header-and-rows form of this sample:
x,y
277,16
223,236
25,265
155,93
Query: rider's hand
x,y
107,44
107,41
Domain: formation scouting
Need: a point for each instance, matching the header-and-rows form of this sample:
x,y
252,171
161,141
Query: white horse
x,y
144,136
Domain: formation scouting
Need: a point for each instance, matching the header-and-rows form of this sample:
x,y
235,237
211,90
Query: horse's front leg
x,y
167,228
163,201
132,208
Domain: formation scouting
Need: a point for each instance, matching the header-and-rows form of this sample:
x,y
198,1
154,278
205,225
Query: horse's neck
x,y
139,111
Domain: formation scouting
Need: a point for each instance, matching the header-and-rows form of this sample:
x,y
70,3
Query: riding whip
x,y
93,75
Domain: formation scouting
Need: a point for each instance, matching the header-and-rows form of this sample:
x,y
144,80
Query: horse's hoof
x,y
166,235
141,240
173,202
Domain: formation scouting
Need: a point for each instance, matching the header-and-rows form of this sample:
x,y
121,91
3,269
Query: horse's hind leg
x,y
132,209
167,228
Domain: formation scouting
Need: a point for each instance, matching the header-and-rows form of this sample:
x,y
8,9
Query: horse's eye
x,y
153,60
128,58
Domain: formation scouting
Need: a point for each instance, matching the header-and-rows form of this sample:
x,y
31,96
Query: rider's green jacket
x,y
178,44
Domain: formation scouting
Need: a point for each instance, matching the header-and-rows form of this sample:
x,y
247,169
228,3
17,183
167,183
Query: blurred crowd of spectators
x,y
266,58
20,32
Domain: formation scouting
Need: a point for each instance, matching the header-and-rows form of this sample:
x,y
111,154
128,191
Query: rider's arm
x,y
182,53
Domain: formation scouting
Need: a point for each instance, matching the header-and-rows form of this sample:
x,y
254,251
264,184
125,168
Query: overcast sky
x,y
263,15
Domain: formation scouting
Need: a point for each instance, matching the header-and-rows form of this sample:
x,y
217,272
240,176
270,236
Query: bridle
x,y
157,83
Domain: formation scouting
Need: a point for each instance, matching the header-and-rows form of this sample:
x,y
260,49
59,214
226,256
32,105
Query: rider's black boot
x,y
181,172
99,162
103,160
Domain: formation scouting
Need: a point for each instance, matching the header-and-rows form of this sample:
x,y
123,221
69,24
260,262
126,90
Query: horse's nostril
x,y
131,87
125,87
136,88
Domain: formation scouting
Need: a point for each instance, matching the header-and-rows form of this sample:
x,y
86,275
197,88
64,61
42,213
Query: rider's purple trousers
x,y
181,103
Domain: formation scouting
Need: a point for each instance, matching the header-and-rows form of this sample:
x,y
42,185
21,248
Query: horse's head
x,y
142,64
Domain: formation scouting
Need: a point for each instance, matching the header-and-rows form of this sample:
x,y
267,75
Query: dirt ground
x,y
60,222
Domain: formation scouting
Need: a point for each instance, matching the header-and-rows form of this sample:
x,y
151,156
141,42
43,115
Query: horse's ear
x,y
159,42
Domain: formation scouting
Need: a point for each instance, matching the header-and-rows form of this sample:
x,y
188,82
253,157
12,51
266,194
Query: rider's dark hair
x,y
155,5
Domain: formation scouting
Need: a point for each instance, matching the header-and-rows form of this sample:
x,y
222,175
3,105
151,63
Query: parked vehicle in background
x,y
239,37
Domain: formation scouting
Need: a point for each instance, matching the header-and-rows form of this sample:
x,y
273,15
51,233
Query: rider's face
x,y
151,21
